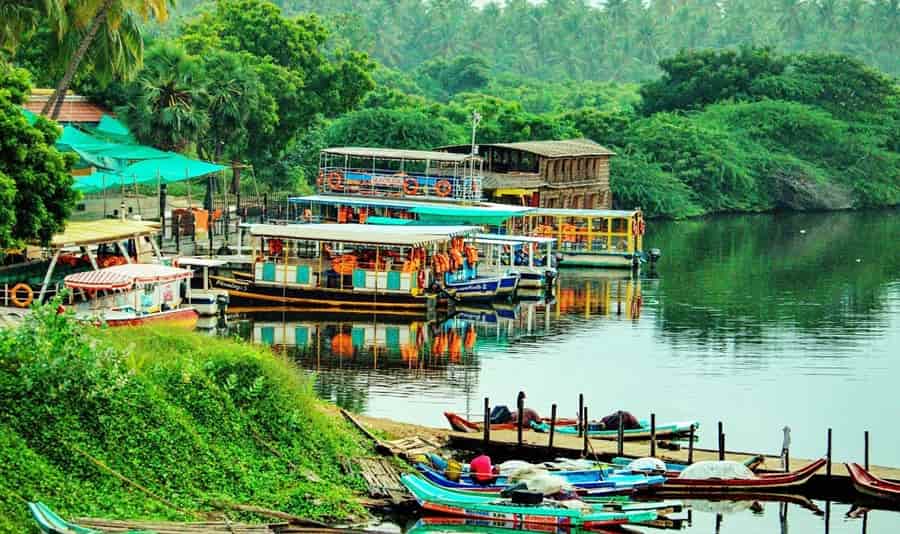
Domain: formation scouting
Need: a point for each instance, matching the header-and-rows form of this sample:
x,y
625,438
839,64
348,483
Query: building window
x,y
576,202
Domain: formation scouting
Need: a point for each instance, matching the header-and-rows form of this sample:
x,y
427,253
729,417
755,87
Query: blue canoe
x,y
593,482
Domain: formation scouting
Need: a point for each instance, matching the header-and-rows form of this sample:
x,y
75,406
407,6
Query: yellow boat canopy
x,y
81,233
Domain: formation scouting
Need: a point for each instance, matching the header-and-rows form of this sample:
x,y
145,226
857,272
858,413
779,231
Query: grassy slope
x,y
190,418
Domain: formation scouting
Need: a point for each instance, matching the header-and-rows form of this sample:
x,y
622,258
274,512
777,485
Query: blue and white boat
x,y
482,288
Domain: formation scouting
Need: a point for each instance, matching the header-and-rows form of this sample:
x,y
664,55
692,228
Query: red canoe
x,y
767,481
868,484
461,424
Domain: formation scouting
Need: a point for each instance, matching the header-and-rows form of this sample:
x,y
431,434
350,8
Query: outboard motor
x,y
655,254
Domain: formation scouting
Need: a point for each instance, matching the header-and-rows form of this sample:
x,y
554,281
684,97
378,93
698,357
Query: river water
x,y
758,321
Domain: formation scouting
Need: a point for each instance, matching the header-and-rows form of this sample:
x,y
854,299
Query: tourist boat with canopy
x,y
132,294
36,273
360,267
590,238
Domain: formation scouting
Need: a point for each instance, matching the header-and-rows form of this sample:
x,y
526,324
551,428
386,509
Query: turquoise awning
x,y
461,215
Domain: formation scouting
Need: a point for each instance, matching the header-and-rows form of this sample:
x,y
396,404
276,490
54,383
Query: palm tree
x,y
90,16
164,104
20,17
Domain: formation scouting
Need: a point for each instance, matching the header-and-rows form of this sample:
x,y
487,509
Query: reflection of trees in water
x,y
731,278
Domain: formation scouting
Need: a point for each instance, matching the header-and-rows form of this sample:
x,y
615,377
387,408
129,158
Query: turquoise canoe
x,y
50,523
550,513
667,430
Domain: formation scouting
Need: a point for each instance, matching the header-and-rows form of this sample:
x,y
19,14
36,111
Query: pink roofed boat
x,y
132,294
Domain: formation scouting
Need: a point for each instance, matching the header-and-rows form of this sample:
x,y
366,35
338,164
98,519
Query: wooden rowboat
x,y
461,424
765,482
868,484
665,430
487,506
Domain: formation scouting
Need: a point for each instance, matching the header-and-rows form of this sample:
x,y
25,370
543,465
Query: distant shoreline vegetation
x,y
720,126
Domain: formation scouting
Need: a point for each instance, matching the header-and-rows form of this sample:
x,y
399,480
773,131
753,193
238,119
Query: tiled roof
x,y
567,148
75,109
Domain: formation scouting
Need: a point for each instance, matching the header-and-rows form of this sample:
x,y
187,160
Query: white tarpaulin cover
x,y
717,470
654,465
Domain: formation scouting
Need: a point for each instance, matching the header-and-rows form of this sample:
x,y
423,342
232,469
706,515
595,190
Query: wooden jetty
x,y
536,446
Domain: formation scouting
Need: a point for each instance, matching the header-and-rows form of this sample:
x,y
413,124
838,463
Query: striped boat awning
x,y
123,277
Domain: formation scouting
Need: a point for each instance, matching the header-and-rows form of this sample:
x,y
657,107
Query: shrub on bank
x,y
191,419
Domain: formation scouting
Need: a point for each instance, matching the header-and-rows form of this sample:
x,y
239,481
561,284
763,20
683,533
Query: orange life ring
x,y
410,186
320,179
29,295
443,188
336,180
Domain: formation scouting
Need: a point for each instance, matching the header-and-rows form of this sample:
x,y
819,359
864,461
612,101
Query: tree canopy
x,y
36,192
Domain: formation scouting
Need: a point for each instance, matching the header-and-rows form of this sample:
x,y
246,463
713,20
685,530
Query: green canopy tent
x,y
173,168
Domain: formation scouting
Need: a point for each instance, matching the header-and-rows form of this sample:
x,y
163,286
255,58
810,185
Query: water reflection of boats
x,y
617,293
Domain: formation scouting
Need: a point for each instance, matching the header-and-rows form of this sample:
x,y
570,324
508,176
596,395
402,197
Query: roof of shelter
x,y
566,148
75,108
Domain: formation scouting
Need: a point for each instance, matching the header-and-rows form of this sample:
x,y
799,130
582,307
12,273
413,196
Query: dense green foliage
x,y
610,40
190,418
719,123
36,192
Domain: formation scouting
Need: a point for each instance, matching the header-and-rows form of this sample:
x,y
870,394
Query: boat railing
x,y
435,184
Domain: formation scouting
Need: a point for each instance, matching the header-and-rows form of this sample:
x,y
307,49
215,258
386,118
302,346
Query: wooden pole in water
x,y
580,411
691,446
828,466
620,437
520,402
721,443
584,450
652,434
866,450
487,421
552,429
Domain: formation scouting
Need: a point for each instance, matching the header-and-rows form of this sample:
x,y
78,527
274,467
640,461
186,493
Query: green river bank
x,y
192,420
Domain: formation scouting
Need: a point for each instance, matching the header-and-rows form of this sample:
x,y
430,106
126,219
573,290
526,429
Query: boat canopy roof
x,y
200,262
344,200
363,233
564,212
392,153
516,238
123,277
81,233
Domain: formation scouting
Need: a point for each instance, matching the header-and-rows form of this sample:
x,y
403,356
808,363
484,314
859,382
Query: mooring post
x,y
721,443
487,422
828,466
584,450
620,437
866,449
786,448
581,423
552,429
827,517
177,230
520,403
653,435
691,446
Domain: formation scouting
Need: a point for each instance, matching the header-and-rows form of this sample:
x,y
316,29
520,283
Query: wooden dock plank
x,y
568,445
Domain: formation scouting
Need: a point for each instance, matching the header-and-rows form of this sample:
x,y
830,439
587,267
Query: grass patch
x,y
190,418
